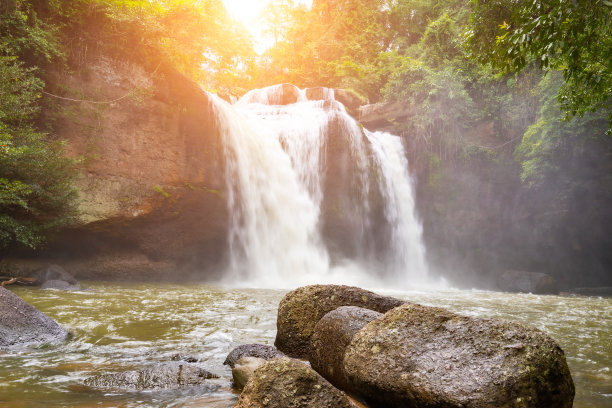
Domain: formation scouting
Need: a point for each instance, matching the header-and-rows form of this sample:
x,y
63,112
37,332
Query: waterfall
x,y
313,197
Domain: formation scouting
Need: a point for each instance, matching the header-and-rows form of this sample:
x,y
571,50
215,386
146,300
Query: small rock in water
x,y
244,368
289,383
163,376
252,350
185,357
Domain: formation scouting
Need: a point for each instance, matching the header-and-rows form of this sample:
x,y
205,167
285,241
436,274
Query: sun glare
x,y
250,13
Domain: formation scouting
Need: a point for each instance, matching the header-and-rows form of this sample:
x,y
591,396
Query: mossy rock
x,y
332,335
288,383
301,309
418,356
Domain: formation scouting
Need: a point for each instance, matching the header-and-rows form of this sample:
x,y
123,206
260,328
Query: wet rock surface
x,y
244,368
23,324
301,309
252,350
288,383
163,376
332,334
350,99
417,356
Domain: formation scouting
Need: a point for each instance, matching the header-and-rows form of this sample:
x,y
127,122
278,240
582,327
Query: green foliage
x,y
24,33
551,145
36,193
572,37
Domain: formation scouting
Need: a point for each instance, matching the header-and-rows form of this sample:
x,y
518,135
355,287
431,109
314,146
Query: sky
x,y
249,12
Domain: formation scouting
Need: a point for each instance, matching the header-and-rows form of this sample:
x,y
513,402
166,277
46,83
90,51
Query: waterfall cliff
x,y
314,197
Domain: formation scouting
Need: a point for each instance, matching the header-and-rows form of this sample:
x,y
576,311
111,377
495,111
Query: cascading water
x,y
280,182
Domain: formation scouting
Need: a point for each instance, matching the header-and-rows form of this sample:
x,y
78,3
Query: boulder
x,y
252,350
332,334
281,94
301,309
59,285
318,94
162,376
350,99
417,356
23,324
287,94
384,116
527,282
244,368
55,273
288,383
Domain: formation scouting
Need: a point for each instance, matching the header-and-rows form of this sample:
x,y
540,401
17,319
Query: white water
x,y
275,175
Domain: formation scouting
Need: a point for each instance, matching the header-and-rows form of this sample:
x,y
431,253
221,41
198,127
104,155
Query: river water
x,y
117,327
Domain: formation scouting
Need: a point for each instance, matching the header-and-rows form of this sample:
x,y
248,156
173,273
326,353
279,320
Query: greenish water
x,y
118,327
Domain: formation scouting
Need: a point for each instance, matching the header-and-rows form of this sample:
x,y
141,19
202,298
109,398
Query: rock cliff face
x,y
152,181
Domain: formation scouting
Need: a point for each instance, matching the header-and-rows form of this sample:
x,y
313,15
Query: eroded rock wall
x,y
151,182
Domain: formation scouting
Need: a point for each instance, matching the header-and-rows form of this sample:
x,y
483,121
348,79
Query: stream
x,y
117,327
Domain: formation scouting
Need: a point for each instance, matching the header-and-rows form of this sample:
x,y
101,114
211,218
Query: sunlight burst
x,y
251,14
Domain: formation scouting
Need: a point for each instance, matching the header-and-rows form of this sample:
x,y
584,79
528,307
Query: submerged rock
x,y
288,383
417,356
60,285
185,357
301,309
163,376
244,368
23,324
332,334
252,350
527,282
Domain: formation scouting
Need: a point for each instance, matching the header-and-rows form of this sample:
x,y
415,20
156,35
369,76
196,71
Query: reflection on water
x,y
117,327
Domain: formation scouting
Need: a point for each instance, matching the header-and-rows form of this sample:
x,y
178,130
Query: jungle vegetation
x,y
538,71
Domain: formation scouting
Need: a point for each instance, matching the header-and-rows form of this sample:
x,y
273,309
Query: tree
x,y
36,193
574,37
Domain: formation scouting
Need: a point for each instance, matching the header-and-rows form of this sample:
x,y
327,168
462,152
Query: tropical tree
x,y
574,37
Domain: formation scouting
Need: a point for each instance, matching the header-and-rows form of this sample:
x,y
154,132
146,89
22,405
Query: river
x,y
117,327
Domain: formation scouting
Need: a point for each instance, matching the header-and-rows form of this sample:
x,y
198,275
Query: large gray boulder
x,y
288,383
417,356
23,324
252,350
301,309
527,282
332,334
162,376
